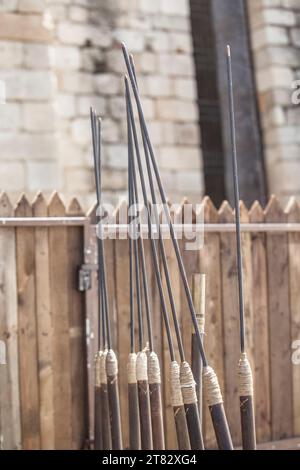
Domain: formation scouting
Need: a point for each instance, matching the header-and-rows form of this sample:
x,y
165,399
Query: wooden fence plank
x,y
279,324
28,360
123,321
10,424
261,329
230,322
213,339
247,285
77,331
58,248
44,326
293,215
171,439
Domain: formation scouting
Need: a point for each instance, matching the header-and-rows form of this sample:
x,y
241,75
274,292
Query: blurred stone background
x,y
58,57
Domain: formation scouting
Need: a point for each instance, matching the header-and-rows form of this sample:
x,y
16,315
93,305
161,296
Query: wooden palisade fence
x,y
44,399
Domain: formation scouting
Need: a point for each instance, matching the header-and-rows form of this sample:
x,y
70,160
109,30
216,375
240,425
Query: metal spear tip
x,y
228,50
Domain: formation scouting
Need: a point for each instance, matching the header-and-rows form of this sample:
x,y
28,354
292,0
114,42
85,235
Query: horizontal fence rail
x,y
48,318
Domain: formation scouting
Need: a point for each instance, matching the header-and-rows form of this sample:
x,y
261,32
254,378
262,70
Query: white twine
x,y
187,383
97,364
141,366
131,368
245,377
103,376
211,387
111,364
153,368
176,395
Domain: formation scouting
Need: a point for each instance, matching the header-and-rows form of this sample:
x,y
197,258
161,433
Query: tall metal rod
x,y
150,231
244,368
101,417
211,385
133,395
165,204
186,376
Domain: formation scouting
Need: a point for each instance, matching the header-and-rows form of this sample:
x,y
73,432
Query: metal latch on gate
x,y
85,276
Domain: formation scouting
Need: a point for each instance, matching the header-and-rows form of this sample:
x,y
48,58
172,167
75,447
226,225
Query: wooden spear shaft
x,y
244,369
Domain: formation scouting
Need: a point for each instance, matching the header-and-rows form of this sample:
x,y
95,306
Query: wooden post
x,y
28,360
10,418
197,366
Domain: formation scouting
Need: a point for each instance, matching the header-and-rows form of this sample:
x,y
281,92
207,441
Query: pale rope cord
x,y
111,364
103,376
131,368
211,386
176,395
141,366
201,315
153,368
97,364
245,376
187,383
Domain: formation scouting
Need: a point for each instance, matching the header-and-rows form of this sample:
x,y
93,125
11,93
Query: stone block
x,y
38,117
269,35
81,34
107,84
134,40
11,54
179,158
28,84
79,14
10,116
12,175
31,6
81,131
67,57
79,179
180,65
274,77
85,102
185,88
116,156
42,175
176,110
27,146
180,7
38,56
31,28
75,82
65,105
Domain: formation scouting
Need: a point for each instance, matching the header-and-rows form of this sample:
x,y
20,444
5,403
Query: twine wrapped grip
x,y
176,395
153,368
103,377
111,364
187,383
141,366
131,368
245,377
211,386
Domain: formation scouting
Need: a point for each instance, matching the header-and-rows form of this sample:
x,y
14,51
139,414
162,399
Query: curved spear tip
x,y
228,50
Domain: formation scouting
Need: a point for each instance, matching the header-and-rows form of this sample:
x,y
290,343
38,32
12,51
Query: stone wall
x,y
275,33
62,56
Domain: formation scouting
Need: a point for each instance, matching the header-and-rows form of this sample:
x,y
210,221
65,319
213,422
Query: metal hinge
x,y
85,276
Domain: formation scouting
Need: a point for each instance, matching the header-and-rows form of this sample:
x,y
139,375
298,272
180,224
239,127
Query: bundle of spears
x,y
143,368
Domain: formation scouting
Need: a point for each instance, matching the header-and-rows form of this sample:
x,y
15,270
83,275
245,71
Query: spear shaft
x,y
244,368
